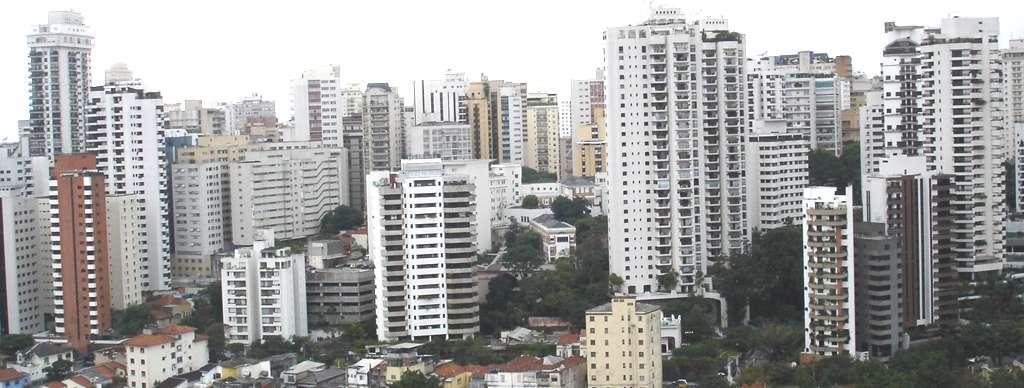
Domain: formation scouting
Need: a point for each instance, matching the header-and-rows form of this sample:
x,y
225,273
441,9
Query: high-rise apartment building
x,y
879,293
446,141
60,66
352,140
352,100
383,128
202,208
26,286
777,173
287,188
810,104
317,106
192,117
624,344
541,138
496,112
587,96
830,319
125,132
81,289
590,147
251,109
423,245
804,62
340,295
677,191
1013,64
441,101
264,292
21,174
943,99
918,210
126,250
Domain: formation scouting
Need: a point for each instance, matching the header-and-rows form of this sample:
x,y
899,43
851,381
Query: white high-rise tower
x,y
675,131
59,67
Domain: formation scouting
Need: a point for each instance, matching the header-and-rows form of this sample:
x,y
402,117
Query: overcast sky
x,y
223,50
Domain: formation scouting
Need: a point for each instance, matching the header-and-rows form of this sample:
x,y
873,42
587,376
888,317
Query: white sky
x,y
219,50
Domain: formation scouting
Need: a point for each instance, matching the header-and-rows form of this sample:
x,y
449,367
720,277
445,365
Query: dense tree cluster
x,y
523,251
131,320
476,351
341,218
207,319
533,176
570,210
531,202
11,344
767,277
575,284
827,169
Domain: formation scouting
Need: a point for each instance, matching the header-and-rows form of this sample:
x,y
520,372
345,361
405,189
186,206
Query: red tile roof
x,y
568,338
10,374
55,384
82,381
176,329
147,340
573,361
521,364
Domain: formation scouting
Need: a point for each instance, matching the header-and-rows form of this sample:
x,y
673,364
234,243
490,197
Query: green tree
x,y
570,210
531,202
59,370
215,333
341,218
416,379
767,277
533,176
825,168
1003,378
524,254
668,281
131,320
11,344
498,312
615,282
272,345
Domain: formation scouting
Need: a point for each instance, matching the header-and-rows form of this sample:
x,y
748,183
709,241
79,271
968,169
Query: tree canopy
x,y
768,277
531,202
59,370
341,218
827,169
523,251
131,320
416,379
570,210
11,344
533,176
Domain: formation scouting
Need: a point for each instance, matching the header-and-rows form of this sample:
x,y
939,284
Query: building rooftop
x,y
147,340
548,221
43,349
10,374
642,308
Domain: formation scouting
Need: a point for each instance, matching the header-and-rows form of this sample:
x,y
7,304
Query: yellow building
x,y
624,344
496,114
214,148
541,136
590,151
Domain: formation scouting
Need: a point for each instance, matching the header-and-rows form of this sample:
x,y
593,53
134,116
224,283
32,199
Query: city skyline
x,y
270,38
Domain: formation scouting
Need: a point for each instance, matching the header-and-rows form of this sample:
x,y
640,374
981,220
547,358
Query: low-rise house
x,y
529,371
671,333
41,355
170,351
13,378
545,192
548,324
168,309
453,375
558,239
367,373
571,344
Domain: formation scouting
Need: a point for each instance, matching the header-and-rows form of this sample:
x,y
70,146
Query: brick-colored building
x,y
79,245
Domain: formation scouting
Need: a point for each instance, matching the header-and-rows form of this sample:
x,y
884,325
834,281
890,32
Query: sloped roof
x,y
10,374
147,340
43,349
